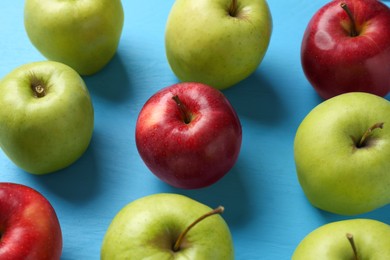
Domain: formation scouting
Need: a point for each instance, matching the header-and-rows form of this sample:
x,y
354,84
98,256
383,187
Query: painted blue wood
x,y
266,209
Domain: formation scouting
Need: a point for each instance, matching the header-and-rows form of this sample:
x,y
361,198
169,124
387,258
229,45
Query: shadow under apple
x,y
230,192
256,98
112,82
78,183
380,214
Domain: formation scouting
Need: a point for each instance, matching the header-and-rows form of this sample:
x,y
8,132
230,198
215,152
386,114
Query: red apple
x,y
346,48
29,227
188,135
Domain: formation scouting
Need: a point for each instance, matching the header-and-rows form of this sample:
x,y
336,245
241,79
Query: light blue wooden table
x,y
266,209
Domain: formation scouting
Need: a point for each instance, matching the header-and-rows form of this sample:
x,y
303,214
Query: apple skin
x,y
29,227
329,242
333,172
204,43
82,34
46,134
336,63
147,228
189,155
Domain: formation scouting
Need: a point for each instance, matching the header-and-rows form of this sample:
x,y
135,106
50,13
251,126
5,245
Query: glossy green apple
x,y
46,116
353,239
82,34
218,43
155,227
342,151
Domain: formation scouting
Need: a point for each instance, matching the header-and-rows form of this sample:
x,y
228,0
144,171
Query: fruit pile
x,y
189,135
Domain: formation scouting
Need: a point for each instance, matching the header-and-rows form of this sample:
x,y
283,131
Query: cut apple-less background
x,y
265,207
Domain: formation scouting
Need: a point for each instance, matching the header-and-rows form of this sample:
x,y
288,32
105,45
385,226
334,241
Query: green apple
x,y
353,239
82,34
218,43
46,116
342,151
167,226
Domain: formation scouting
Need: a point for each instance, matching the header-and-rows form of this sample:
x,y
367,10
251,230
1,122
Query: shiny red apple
x,y
29,227
188,135
346,48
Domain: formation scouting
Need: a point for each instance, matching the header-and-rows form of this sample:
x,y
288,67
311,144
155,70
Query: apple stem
x,y
368,133
179,240
233,8
353,32
353,245
183,109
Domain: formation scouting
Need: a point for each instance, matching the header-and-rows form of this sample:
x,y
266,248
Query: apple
x,y
346,239
188,135
46,116
29,227
167,226
82,34
218,43
346,48
342,151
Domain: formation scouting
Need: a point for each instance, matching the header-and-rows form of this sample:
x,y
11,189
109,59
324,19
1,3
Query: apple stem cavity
x,y
179,240
366,134
233,8
37,86
353,245
183,110
353,32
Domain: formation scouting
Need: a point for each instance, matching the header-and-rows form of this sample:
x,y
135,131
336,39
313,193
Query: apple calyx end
x,y
353,245
176,247
37,86
367,133
353,31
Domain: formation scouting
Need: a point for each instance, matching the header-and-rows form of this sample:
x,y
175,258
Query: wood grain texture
x,y
264,205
